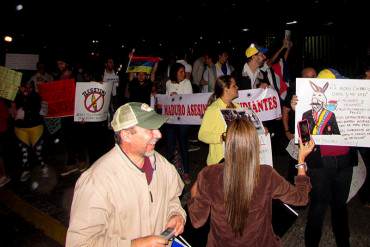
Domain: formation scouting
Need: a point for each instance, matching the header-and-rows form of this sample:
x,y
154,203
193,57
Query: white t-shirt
x,y
111,77
183,87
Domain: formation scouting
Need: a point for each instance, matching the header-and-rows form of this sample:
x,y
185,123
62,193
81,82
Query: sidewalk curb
x,y
48,225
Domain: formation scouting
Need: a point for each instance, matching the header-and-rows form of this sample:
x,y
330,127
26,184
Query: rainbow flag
x,y
142,64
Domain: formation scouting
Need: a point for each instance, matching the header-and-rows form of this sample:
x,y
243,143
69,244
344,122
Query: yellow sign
x,y
9,83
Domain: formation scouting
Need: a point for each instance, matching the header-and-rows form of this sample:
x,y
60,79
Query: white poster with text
x,y
92,101
337,110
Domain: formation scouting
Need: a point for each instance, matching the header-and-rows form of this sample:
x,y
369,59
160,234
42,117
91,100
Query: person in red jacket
x,y
4,117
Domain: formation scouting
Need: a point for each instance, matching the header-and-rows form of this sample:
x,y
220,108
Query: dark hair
x,y
173,71
221,83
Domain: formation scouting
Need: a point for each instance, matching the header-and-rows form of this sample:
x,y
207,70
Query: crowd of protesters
x,y
212,72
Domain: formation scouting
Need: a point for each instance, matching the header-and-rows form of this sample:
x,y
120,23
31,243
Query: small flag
x,y
142,64
180,242
177,243
279,71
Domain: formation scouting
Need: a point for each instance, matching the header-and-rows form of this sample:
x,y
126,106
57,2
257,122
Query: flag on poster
x,y
59,96
9,83
92,101
142,64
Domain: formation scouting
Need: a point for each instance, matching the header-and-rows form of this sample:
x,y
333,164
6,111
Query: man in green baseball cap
x,y
131,194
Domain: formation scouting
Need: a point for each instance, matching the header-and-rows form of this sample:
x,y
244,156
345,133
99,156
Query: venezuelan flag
x,y
142,64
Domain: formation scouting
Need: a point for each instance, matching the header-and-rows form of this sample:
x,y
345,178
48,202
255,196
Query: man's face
x,y
62,66
260,58
110,64
144,140
141,76
223,57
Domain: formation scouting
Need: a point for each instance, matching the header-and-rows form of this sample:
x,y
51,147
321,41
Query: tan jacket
x,y
113,203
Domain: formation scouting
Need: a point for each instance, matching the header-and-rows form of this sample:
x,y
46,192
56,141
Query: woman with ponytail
x,y
213,126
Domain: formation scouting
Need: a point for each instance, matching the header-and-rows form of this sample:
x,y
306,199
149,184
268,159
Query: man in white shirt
x,y
252,75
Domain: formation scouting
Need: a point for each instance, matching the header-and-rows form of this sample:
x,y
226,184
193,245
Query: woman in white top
x,y
178,84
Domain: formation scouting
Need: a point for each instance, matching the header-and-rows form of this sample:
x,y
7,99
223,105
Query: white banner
x,y
21,61
92,101
189,108
338,110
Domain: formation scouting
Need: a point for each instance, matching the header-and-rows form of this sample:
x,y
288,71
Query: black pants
x,y
175,132
330,186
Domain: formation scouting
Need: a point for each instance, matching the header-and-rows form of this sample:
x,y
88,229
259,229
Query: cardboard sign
x,y
10,81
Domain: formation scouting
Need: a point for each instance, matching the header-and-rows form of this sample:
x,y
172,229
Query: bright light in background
x,y
245,29
19,7
292,22
8,39
201,37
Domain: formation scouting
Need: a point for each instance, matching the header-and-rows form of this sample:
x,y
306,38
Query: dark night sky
x,y
165,24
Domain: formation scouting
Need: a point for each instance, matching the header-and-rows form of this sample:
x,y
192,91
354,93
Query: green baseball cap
x,y
135,113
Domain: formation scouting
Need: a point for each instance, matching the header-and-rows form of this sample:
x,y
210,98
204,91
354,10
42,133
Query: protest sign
x,y
21,61
189,108
9,83
358,177
60,97
338,110
265,142
92,101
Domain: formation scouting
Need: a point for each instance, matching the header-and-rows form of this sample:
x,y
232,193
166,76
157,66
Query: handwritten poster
x,y
92,101
338,110
9,83
60,97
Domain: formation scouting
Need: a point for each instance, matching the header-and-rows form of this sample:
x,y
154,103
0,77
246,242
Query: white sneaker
x,y
25,176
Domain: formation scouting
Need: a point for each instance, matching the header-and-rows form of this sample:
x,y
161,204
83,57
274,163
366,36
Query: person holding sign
x,y
238,193
213,125
330,171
